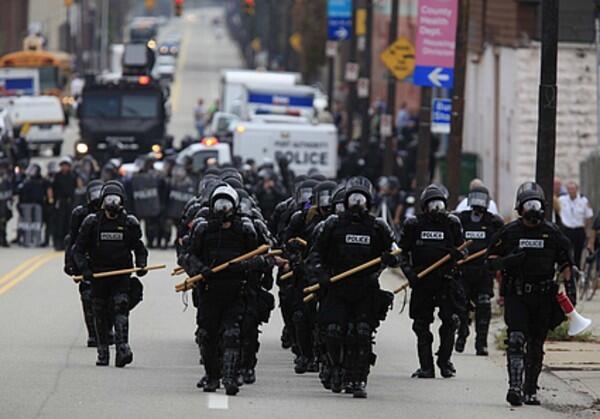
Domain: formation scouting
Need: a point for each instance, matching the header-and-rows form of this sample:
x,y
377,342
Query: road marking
x,y
31,269
180,67
20,267
218,402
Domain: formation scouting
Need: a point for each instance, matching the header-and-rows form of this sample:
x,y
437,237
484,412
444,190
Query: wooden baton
x,y
99,275
437,264
185,285
350,272
472,257
179,270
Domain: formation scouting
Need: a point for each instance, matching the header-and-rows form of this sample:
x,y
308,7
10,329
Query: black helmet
x,y
94,192
337,199
304,192
323,196
234,182
298,181
113,197
531,202
479,197
224,200
229,173
431,194
34,170
246,203
356,186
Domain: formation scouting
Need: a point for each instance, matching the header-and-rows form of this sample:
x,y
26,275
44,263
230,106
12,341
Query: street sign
x,y
441,115
339,19
385,127
331,49
436,43
296,42
362,88
399,58
352,70
361,22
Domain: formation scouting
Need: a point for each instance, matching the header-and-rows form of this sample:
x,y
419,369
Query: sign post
x,y
436,43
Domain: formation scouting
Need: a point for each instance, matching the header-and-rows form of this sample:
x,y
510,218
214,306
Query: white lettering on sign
x,y
432,235
358,239
531,244
111,236
475,235
145,194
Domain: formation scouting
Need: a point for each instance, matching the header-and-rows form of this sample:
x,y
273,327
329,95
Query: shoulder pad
x,y
411,222
132,221
199,225
330,221
247,226
90,220
454,219
81,211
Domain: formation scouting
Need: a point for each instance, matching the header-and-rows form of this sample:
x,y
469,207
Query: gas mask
x,y
436,208
223,208
477,214
112,205
533,211
357,203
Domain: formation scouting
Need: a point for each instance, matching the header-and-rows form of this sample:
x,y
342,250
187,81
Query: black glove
x,y
207,273
239,267
88,275
389,260
142,272
571,289
323,280
455,254
294,246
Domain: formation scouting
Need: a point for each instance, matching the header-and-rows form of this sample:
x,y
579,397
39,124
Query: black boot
x,y
325,376
336,381
460,344
103,356
463,333
211,385
92,342
301,364
124,355
359,390
230,368
425,361
313,366
533,368
286,338
447,333
483,314
446,368
531,399
249,376
202,381
515,365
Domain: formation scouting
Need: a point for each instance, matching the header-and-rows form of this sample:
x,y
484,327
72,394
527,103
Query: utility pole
x,y
424,145
331,52
366,72
546,141
597,26
458,104
104,36
390,149
351,102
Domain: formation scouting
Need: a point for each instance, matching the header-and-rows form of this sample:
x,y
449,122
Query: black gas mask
x,y
112,205
356,204
533,211
436,209
477,214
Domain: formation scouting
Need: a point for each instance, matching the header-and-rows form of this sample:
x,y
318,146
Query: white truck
x,y
234,82
19,82
305,144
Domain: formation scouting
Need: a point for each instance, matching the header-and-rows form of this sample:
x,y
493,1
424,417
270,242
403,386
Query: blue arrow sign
x,y
339,20
434,77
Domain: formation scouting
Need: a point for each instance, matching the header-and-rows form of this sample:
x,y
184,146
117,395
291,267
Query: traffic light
x,y
178,7
249,7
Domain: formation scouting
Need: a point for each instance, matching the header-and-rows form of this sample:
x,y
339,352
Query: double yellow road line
x,y
24,269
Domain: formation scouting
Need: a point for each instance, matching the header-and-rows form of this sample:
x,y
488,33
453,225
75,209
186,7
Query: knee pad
x,y
334,331
121,303
483,299
85,293
231,338
515,342
363,332
421,329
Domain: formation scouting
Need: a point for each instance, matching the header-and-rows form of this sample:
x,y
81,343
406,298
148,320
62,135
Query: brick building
x,y
13,25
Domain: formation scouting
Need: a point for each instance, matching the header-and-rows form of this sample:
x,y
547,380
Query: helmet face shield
x,y
304,195
478,199
532,205
324,199
357,201
339,208
95,194
245,206
436,205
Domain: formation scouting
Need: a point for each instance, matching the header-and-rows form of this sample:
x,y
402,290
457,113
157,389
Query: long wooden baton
x,y
437,264
472,257
179,270
99,275
299,240
286,275
185,285
350,272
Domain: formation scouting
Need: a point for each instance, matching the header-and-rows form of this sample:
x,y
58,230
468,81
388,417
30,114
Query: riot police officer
x,y
6,197
479,225
527,251
105,242
147,193
220,237
350,310
93,198
425,239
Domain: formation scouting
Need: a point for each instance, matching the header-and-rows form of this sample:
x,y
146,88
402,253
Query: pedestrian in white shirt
x,y
575,215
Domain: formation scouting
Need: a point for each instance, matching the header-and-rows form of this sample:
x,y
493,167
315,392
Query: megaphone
x,y
577,323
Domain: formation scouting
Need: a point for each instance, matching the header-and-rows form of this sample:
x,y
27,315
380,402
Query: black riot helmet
x,y
224,201
323,196
359,194
231,173
433,200
113,198
479,197
531,202
94,193
337,199
304,192
246,203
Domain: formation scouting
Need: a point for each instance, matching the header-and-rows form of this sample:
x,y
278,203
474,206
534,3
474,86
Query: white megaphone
x,y
577,323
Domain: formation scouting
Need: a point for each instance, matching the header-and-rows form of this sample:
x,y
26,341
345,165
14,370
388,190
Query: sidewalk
x,y
578,363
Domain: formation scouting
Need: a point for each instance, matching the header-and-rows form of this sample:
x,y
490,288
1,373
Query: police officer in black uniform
x,y
93,198
425,239
220,237
528,251
479,225
6,197
350,310
105,242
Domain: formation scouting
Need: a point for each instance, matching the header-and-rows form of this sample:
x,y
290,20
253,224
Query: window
x,y
100,106
139,106
48,78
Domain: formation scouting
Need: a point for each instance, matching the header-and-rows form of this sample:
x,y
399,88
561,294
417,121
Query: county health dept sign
x,y
436,43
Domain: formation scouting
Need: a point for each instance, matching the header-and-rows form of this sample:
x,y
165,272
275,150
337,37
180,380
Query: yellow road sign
x,y
399,58
296,42
256,45
361,22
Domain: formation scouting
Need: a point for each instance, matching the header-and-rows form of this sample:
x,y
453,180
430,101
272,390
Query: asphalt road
x,y
47,372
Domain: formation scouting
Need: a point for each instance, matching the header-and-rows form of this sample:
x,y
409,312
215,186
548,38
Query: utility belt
x,y
522,287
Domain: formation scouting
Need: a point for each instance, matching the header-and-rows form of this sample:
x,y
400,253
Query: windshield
x,y
48,78
199,159
120,106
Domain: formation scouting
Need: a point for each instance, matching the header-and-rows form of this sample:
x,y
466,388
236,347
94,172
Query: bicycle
x,y
588,278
